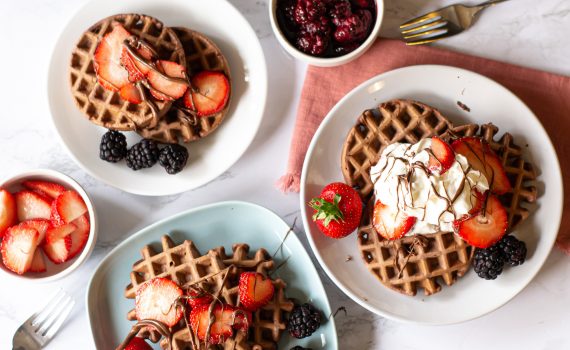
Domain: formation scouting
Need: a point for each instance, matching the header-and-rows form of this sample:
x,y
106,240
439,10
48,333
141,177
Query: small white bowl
x,y
325,61
54,271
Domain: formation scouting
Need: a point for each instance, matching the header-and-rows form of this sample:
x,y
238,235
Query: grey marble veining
x,y
525,32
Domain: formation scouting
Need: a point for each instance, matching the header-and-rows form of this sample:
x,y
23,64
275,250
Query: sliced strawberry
x,y
482,158
107,59
107,85
32,205
218,324
172,69
8,213
18,247
138,343
486,228
243,320
40,225
211,91
130,93
255,290
389,223
38,262
135,70
156,299
45,188
174,89
59,232
80,235
67,207
188,100
160,96
441,157
196,298
58,251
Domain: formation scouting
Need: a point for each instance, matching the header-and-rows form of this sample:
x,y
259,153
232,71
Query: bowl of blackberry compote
x,y
326,33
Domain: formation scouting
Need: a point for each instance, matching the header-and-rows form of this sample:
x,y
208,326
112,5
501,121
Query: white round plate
x,y
209,157
441,87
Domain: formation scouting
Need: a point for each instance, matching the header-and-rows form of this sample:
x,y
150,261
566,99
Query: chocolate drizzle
x,y
132,45
405,181
142,324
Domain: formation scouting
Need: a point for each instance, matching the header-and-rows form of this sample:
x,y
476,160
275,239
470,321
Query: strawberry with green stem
x,y
337,210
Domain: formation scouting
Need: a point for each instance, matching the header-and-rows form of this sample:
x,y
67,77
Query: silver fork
x,y
40,328
443,23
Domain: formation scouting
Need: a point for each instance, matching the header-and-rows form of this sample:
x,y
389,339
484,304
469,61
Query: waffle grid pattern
x,y
409,263
201,54
106,108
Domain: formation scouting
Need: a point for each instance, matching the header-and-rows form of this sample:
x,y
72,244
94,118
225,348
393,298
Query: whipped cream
x,y
401,179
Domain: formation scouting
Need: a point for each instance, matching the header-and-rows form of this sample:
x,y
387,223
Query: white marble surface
x,y
525,32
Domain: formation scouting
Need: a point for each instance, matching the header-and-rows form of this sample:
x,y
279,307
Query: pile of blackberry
x,y
488,263
144,154
304,320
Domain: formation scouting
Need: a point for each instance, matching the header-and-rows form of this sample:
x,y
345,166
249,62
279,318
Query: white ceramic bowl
x,y
325,61
54,272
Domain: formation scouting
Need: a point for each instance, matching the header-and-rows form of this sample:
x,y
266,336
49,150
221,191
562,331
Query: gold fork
x,y
443,23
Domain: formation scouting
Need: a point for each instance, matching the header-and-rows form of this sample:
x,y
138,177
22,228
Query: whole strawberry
x,y
337,210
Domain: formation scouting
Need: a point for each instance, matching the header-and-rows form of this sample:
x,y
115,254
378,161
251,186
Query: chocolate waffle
x,y
423,261
413,262
186,266
179,125
268,322
106,108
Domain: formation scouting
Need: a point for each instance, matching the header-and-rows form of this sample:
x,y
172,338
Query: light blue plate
x,y
209,226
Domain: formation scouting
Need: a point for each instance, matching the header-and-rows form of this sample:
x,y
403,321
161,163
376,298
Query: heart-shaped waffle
x,y
186,266
415,262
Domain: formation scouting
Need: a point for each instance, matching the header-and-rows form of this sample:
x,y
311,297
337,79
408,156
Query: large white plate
x,y
209,157
441,87
210,226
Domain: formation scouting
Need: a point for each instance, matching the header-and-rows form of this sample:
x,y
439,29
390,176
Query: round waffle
x,y
185,265
422,261
178,125
106,108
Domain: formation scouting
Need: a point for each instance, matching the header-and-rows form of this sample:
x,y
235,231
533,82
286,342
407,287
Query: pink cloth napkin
x,y
547,95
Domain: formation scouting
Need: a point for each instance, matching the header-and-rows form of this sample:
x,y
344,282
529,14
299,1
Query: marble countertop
x,y
525,32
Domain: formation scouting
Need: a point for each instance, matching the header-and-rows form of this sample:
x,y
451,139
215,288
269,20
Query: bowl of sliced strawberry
x,y
48,226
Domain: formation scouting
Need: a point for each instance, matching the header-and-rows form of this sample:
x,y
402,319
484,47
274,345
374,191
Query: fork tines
x,y
424,29
45,323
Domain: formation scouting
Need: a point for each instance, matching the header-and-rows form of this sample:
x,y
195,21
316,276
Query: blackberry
x,y
300,348
304,320
113,146
513,250
173,158
142,155
488,263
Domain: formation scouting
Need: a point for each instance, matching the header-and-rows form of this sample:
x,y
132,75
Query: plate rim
x,y
205,207
310,151
140,191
